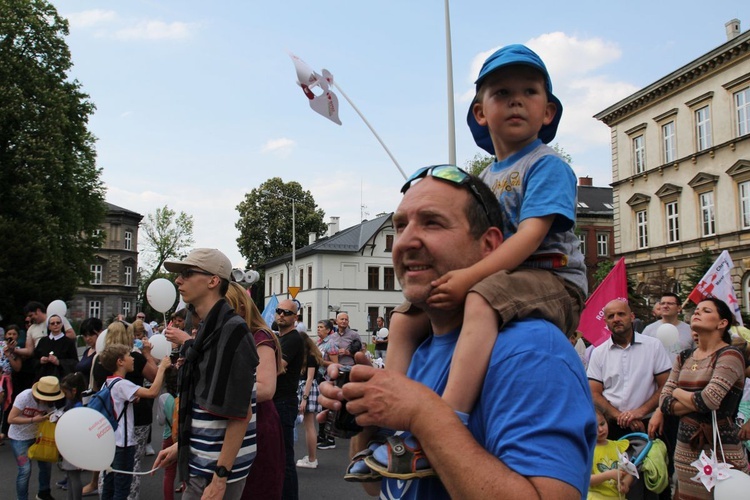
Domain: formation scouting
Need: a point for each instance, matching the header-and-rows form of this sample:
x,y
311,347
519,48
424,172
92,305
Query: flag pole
x,y
370,127
451,107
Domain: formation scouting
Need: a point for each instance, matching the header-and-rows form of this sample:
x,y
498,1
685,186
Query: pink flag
x,y
325,102
614,287
718,283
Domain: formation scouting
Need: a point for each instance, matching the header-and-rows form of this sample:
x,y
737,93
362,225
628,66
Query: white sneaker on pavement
x,y
305,463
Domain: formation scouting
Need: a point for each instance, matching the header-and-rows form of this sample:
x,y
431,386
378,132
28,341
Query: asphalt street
x,y
325,482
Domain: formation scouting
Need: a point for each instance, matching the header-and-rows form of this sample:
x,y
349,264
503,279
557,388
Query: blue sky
x,y
197,102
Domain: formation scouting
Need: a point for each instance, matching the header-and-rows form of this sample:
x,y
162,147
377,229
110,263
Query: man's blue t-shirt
x,y
535,411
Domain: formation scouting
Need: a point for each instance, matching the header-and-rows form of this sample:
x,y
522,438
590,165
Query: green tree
x,y
165,235
564,154
702,264
51,191
265,222
476,165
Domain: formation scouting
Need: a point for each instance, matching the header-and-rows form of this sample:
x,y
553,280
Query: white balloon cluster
x,y
250,276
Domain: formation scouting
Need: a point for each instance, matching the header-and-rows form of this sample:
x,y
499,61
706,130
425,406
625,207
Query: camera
x,y
341,423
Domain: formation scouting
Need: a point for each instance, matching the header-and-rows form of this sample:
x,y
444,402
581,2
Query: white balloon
x,y
86,439
161,294
160,346
57,307
101,341
736,486
668,334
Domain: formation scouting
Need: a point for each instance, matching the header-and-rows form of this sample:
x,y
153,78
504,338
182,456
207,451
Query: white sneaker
x,y
150,451
306,463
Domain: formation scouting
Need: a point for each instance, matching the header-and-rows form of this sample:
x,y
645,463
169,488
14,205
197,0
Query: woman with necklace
x,y
710,377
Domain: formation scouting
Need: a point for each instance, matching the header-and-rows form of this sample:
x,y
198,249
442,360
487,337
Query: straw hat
x,y
47,389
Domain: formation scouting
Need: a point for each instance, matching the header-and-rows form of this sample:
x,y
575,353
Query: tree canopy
x,y
52,197
265,222
166,235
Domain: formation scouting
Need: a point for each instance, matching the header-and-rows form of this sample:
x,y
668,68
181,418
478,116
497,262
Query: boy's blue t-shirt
x,y
535,411
533,183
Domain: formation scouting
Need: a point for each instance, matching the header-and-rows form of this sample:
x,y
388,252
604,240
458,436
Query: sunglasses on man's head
x,y
285,312
187,273
447,173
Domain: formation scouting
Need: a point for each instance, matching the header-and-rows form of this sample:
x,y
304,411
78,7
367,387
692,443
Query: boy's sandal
x,y
358,471
405,460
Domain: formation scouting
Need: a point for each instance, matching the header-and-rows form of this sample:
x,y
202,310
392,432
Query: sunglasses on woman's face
x,y
54,323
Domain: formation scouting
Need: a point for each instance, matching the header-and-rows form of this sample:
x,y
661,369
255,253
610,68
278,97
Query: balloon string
x,y
131,472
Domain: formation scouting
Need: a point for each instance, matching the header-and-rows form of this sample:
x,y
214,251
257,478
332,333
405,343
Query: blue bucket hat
x,y
507,56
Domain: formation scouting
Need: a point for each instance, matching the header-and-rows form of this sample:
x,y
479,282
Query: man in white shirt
x,y
626,373
669,308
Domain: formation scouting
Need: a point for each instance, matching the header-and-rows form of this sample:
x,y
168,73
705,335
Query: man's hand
x,y
215,489
175,335
451,289
166,457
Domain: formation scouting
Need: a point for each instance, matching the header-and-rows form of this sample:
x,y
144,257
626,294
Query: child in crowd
x,y
116,359
607,481
73,385
307,394
164,415
538,271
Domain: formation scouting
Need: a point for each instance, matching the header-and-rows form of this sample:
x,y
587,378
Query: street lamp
x,y
294,234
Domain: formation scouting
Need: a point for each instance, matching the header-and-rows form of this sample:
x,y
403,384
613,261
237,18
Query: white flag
x,y
326,102
717,282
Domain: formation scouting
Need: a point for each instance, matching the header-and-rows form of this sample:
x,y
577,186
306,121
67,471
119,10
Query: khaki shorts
x,y
528,293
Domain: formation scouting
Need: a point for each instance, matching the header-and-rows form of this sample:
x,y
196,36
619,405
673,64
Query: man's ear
x,y
491,239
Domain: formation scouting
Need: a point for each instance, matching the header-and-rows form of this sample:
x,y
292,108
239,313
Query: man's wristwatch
x,y
221,472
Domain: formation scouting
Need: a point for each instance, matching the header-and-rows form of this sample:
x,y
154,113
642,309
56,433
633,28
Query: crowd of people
x,y
483,395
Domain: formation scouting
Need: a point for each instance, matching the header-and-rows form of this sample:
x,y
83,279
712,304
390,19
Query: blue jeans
x,y
117,486
20,451
287,409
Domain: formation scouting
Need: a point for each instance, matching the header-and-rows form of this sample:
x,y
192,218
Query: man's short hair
x,y
182,314
223,287
674,295
479,220
33,306
109,356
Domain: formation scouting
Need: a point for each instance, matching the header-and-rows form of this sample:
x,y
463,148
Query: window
x,y
641,221
388,242
387,317
639,154
708,227
126,308
602,244
96,274
745,204
128,240
389,279
373,278
309,316
309,277
670,143
673,222
281,283
95,309
302,278
270,285
742,104
582,238
128,275
703,128
372,318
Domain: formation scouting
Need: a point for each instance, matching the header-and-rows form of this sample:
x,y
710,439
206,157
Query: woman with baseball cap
x,y
31,407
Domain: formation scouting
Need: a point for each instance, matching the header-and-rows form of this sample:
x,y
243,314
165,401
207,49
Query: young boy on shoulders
x,y
539,270
116,359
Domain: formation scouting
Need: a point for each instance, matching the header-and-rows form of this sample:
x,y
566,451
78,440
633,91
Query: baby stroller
x,y
650,458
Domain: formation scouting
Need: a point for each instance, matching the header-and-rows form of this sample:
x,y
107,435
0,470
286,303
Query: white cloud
x,y
282,146
155,30
89,18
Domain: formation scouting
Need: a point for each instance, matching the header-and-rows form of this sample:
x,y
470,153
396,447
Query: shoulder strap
x,y
124,407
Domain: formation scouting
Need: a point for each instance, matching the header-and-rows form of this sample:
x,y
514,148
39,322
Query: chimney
x,y
733,29
333,226
585,181
312,238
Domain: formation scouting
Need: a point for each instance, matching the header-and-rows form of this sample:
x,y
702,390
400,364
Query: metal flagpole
x,y
451,107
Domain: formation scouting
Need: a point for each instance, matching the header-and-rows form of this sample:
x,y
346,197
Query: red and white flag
x,y
717,282
614,287
325,101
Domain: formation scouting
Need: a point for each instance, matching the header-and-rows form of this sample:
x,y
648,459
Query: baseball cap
x,y
507,56
208,259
